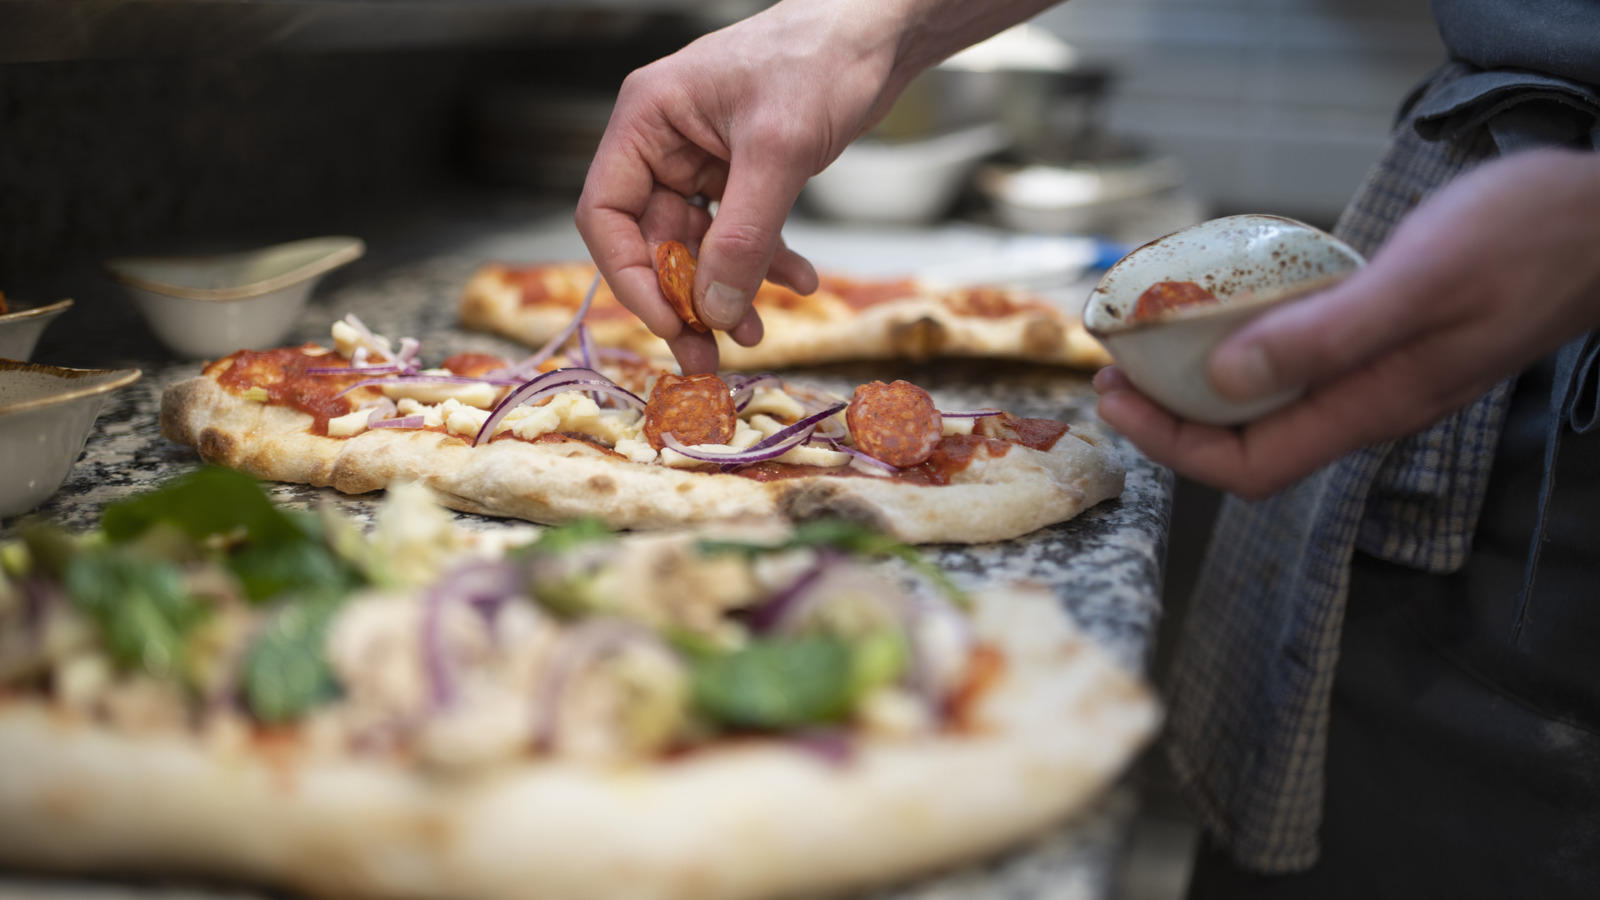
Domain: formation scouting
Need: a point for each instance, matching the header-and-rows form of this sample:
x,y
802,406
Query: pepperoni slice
x,y
675,271
695,409
896,423
1165,296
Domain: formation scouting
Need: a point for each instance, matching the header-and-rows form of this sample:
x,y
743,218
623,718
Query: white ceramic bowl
x,y
901,183
1250,263
46,413
203,307
20,328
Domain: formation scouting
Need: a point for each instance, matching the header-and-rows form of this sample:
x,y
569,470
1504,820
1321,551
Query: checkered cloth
x,y
1252,678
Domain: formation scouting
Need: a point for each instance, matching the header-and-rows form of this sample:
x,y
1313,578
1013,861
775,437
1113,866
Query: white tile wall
x,y
1276,105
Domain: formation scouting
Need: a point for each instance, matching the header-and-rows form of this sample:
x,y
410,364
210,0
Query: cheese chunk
x,y
774,402
346,340
575,412
638,451
354,423
804,455
479,394
462,419
957,426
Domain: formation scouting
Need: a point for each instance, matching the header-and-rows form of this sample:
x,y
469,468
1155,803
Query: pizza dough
x,y
756,819
992,499
904,321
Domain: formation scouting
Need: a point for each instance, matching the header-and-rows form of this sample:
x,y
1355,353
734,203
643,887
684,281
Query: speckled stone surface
x,y
1105,565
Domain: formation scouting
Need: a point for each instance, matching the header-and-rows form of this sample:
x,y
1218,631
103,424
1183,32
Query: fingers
x,y
749,331
1314,339
742,243
695,351
793,271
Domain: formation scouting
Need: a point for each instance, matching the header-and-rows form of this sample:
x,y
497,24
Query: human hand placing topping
x,y
1478,282
744,116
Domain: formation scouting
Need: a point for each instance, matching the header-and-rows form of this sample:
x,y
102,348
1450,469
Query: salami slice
x,y
695,409
675,271
896,423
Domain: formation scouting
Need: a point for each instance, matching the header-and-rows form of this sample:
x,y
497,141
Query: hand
x,y
1478,282
745,116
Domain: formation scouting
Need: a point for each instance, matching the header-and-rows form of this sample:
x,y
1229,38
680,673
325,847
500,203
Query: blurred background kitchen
x,y
159,125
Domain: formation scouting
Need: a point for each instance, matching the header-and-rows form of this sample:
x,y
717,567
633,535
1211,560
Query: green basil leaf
x,y
305,568
776,684
207,502
286,673
140,605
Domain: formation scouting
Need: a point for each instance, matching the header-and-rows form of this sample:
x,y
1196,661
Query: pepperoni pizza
x,y
609,436
845,319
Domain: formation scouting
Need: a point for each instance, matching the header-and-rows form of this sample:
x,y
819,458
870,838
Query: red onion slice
x,y
531,364
483,585
744,390
585,644
549,384
771,447
382,409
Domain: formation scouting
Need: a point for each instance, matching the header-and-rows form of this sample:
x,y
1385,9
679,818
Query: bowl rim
x,y
1214,310
127,377
350,249
49,309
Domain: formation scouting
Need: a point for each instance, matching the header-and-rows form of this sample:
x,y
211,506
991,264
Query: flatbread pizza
x,y
607,434
212,687
845,319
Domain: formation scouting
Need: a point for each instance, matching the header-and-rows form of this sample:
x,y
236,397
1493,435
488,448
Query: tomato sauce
x,y
471,365
987,303
282,374
863,294
1165,296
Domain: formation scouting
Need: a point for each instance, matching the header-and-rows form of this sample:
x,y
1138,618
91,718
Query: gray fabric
x,y
1251,679
1521,110
1556,37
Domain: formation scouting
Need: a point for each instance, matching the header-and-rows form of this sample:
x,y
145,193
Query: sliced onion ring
x,y
771,447
744,388
549,384
531,364
402,422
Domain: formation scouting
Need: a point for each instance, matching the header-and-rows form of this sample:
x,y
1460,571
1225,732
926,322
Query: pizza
x,y
845,319
610,435
213,687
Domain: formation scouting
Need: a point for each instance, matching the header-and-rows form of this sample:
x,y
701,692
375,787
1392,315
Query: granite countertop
x,y
1106,564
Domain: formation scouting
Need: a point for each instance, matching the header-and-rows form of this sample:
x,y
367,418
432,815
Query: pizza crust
x,y
823,330
993,499
759,819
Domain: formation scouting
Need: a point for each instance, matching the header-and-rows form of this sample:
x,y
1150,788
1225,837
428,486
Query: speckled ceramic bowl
x,y
21,326
203,307
1250,263
46,413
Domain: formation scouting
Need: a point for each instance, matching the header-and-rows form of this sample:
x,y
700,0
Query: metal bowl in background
x,y
1116,198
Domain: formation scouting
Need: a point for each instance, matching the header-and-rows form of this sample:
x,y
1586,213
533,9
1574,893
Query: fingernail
x,y
723,306
1244,374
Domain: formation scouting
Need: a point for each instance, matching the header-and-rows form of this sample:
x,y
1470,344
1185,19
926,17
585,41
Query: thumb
x,y
1315,338
738,248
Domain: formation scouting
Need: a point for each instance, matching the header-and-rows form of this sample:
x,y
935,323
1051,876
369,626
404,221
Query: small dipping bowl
x,y
46,413
1251,263
20,328
204,307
